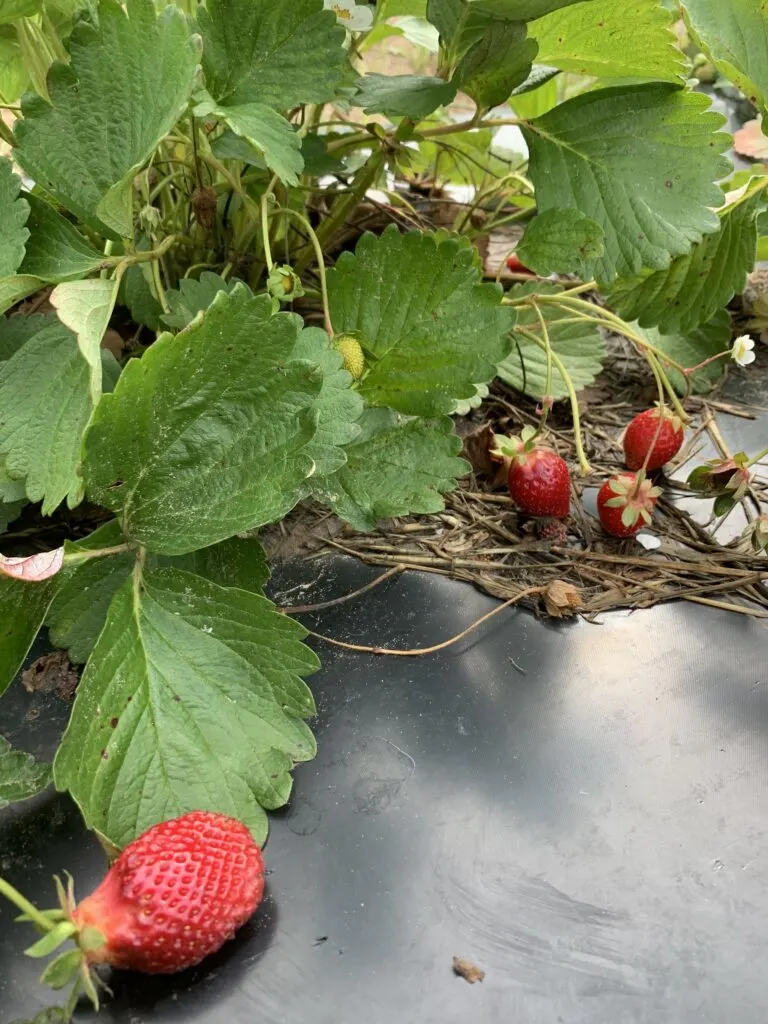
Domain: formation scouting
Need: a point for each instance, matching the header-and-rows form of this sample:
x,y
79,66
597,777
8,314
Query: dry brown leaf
x,y
477,450
53,673
750,141
469,972
562,599
33,568
112,342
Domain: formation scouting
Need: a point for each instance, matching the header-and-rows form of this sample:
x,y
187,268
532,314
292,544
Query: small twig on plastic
x,y
419,651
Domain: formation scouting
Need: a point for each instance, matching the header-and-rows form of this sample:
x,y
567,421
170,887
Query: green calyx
x,y
57,927
517,447
284,284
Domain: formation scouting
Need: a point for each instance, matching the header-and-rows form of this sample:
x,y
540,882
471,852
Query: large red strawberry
x,y
644,434
538,479
172,897
625,503
175,894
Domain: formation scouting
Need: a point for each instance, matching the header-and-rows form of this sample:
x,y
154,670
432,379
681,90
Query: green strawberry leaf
x,y
641,161
22,609
432,330
277,52
195,689
17,287
611,39
16,330
205,436
56,251
693,346
14,9
45,406
13,74
194,296
20,775
317,159
101,126
580,346
460,25
500,60
262,127
394,470
523,10
734,36
561,241
84,591
403,95
237,562
14,212
693,287
86,308
338,405
13,498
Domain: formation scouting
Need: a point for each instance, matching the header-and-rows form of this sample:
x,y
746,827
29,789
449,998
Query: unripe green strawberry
x,y
352,353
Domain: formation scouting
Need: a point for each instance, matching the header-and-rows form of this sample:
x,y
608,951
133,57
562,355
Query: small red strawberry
x,y
516,266
625,503
640,434
173,896
538,479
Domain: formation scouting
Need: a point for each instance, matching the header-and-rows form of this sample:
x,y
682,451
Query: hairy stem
x,y
320,263
584,465
7,890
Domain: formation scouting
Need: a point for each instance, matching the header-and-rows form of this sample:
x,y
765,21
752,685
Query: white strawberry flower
x,y
742,351
354,17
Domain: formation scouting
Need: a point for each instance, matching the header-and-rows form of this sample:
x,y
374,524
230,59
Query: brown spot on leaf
x,y
114,722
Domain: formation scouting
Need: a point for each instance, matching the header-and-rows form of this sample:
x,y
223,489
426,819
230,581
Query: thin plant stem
x,y
659,369
320,263
75,557
267,245
547,400
418,651
159,289
23,904
758,457
584,465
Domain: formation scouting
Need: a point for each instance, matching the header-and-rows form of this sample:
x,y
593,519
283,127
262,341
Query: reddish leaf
x,y
33,568
750,141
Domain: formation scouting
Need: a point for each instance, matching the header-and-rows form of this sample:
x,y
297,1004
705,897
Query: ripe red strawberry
x,y
516,266
640,434
539,482
625,503
175,894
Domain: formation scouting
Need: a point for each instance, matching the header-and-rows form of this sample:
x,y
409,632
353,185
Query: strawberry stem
x,y
756,458
659,384
320,263
266,245
584,465
548,385
35,915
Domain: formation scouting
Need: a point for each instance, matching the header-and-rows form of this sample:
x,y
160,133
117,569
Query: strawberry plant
x,y
194,181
